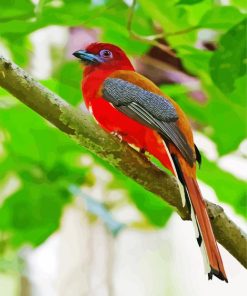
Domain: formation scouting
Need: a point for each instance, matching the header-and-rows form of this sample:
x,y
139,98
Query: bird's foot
x,y
144,153
118,135
142,150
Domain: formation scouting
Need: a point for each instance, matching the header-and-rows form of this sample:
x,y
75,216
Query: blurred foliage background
x,y
41,169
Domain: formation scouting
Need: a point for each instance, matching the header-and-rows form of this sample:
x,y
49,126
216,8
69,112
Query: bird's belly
x,y
130,130
116,122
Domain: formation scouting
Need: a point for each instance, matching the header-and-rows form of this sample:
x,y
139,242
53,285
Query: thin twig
x,y
184,31
151,39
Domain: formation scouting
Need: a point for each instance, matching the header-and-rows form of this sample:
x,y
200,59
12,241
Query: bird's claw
x,y
142,150
116,134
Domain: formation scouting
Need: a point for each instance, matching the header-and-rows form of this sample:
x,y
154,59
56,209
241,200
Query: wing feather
x,y
148,109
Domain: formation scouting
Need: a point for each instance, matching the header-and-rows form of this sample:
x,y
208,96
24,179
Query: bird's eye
x,y
105,53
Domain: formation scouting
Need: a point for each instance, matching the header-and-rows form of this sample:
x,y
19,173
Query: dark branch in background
x,y
80,125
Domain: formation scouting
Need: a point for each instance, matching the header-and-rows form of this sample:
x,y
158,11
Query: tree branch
x,y
80,126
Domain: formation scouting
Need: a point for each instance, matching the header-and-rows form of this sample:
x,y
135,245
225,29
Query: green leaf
x,y
17,26
228,188
229,62
46,162
222,17
12,9
240,4
29,136
16,44
33,213
226,118
66,82
70,13
67,13
238,96
194,60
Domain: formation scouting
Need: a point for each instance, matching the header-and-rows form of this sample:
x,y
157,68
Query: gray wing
x,y
149,109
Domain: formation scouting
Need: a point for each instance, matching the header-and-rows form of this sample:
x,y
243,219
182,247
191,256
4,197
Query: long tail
x,y
199,216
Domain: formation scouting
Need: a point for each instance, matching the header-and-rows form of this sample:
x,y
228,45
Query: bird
x,y
129,105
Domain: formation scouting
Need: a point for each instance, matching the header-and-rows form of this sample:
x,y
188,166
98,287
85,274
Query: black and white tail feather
x,y
186,201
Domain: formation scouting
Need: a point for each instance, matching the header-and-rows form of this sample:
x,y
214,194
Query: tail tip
x,y
218,274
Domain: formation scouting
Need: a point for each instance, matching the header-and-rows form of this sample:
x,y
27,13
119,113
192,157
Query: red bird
x,y
126,103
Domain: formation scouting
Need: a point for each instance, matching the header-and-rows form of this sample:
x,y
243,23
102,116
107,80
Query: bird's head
x,y
103,56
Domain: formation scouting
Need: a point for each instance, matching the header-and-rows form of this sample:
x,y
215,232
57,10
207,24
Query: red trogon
x,y
126,103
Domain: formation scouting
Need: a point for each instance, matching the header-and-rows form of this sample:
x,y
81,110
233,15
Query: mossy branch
x,y
80,126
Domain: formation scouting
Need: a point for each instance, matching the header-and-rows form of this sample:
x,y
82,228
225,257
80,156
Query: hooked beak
x,y
86,57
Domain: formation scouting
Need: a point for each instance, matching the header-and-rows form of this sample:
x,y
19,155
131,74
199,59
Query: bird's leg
x,y
118,135
142,150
